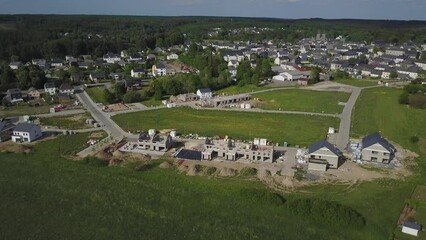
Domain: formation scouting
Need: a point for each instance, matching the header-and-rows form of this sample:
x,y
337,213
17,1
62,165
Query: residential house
x,y
151,57
57,63
66,88
154,141
173,56
323,155
375,148
411,228
39,62
50,88
292,75
160,69
204,93
26,132
33,93
96,76
6,130
138,73
14,95
15,65
135,83
394,51
111,58
421,64
135,57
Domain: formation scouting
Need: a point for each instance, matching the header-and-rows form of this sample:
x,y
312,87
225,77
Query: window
x,y
374,159
386,154
374,152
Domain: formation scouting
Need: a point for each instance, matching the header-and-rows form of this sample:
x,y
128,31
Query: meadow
x,y
302,100
293,129
77,121
97,94
357,82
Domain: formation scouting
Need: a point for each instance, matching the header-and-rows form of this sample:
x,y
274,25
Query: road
x,y
345,122
110,126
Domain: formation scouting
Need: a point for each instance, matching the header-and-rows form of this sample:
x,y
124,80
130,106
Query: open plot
x,y
20,110
302,100
97,94
242,89
77,121
294,129
358,82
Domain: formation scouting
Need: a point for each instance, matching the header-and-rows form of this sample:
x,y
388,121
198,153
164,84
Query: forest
x,y
24,37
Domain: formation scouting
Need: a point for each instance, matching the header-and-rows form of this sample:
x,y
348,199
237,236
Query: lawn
x,y
294,129
97,94
302,100
77,121
357,82
242,89
152,102
44,196
23,110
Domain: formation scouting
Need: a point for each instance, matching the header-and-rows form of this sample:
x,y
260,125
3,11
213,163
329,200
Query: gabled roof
x,y
377,138
24,127
161,65
412,225
323,143
65,86
49,85
205,90
13,91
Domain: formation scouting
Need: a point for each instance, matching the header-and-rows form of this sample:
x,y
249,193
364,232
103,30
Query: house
x,y
135,57
137,73
33,93
291,75
173,56
39,62
96,76
66,88
394,51
323,155
154,141
111,58
204,93
135,83
151,57
15,65
377,149
6,130
160,69
26,132
411,228
50,88
303,81
14,95
56,63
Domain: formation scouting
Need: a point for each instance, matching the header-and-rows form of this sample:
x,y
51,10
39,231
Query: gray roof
x,y
323,143
205,90
24,127
412,225
13,91
377,138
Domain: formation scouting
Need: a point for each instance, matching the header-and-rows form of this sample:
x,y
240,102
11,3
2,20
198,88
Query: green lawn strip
x,y
357,82
23,110
294,129
242,89
77,121
302,100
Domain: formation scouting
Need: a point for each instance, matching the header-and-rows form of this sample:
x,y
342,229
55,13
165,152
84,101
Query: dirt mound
x,y
227,172
287,182
193,170
117,153
115,162
28,151
166,165
183,168
14,148
264,174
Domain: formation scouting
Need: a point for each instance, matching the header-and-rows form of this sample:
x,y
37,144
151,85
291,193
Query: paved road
x,y
345,123
110,126
62,113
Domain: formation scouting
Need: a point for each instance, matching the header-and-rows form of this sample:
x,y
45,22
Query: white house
x,y
173,56
411,228
66,88
160,69
112,58
50,88
291,76
26,132
137,73
204,93
15,65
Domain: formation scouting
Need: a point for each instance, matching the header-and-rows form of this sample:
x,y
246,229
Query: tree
x,y
393,74
314,75
109,96
24,79
119,91
7,78
132,96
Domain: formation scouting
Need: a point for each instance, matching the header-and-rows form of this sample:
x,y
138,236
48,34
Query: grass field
x,y
242,89
358,82
97,94
302,100
152,102
77,121
23,110
47,197
294,129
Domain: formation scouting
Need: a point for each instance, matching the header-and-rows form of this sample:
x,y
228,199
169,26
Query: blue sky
x,y
363,9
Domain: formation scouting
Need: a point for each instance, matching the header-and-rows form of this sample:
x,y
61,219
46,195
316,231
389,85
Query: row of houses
x,y
22,132
15,95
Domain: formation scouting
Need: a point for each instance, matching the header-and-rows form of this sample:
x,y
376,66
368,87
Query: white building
x,y
411,228
50,88
173,56
112,58
137,73
204,93
26,132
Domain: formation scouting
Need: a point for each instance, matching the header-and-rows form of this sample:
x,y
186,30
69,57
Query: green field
x,y
302,100
152,102
23,110
357,82
294,129
97,94
44,196
242,89
77,121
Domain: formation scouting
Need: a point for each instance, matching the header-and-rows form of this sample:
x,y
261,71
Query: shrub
x,y
417,100
95,162
210,170
414,139
247,171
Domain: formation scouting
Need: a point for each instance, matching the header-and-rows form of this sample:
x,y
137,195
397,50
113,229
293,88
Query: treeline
x,y
24,78
414,95
248,75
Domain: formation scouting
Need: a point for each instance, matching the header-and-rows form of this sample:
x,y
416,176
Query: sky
x,y
293,9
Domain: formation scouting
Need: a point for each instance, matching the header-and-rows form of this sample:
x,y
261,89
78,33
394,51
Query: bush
x,y
95,162
131,97
414,139
417,100
210,170
327,212
263,195
403,98
247,171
